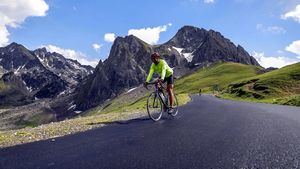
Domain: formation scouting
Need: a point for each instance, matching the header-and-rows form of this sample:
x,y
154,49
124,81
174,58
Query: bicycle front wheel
x,y
154,106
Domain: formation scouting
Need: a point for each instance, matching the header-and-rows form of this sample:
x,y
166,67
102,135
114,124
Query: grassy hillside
x,y
214,77
281,86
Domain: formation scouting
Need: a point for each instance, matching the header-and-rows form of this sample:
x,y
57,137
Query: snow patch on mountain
x,y
29,88
130,90
188,56
179,50
72,107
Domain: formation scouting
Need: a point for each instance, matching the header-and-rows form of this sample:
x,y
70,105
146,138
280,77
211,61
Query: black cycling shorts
x,y
169,80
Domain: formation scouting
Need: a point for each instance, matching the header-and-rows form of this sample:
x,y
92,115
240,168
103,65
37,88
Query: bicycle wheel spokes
x,y
154,107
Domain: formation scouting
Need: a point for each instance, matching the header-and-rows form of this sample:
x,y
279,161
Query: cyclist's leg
x,y
170,82
170,92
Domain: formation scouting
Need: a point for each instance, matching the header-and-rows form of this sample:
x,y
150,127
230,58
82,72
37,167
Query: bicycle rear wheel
x,y
154,107
175,107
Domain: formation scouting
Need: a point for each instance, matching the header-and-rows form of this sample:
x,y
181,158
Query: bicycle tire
x,y
154,101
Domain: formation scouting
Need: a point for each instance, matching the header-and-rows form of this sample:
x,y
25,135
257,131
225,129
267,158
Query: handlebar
x,y
152,82
155,83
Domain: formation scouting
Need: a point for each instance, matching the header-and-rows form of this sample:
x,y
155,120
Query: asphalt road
x,y
207,133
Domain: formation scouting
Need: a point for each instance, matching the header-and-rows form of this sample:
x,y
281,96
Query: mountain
x,y
31,75
129,61
69,70
200,46
124,67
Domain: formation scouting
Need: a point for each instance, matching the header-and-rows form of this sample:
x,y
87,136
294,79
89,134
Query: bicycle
x,y
157,103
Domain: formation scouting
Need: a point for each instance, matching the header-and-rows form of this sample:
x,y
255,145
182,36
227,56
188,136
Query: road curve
x,y
207,133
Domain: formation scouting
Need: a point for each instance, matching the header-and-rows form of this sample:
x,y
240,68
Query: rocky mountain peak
x,y
188,30
127,39
130,42
41,50
15,49
15,45
188,37
14,56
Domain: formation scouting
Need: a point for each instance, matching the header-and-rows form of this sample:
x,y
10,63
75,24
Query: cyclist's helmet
x,y
155,55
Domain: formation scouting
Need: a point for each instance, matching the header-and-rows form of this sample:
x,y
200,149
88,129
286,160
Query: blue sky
x,y
267,29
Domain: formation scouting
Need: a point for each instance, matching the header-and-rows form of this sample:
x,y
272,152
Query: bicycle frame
x,y
157,93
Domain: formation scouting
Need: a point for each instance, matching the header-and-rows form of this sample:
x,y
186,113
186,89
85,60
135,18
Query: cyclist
x,y
166,75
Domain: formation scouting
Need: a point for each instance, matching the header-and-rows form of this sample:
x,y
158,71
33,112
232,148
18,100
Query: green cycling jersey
x,y
162,68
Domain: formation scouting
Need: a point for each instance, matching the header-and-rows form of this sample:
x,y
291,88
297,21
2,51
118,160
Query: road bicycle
x,y
158,102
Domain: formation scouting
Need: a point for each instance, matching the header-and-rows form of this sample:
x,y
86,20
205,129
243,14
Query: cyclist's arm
x,y
150,74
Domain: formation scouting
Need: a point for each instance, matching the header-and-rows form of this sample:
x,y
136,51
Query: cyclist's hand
x,y
159,81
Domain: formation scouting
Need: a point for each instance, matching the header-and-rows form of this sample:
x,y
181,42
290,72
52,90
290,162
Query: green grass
x,y
220,75
281,86
293,100
138,105
290,100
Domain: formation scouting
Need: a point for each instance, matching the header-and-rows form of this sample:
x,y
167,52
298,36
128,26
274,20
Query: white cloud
x,y
14,12
72,54
271,29
149,35
97,47
294,14
278,61
109,37
294,47
3,35
209,1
